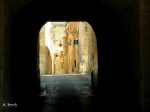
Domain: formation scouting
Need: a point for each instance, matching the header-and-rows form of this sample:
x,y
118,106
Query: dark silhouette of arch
x,y
113,68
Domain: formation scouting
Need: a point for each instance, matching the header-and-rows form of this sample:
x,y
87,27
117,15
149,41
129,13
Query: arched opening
x,y
110,44
67,48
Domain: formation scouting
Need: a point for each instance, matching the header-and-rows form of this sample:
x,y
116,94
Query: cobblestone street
x,y
67,93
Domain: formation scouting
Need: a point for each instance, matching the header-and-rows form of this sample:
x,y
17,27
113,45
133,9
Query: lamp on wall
x,y
60,45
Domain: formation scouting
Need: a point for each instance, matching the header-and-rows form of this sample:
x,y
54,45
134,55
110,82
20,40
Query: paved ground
x,y
67,93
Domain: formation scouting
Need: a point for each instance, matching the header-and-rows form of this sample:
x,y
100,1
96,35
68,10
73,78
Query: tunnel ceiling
x,y
116,5
15,5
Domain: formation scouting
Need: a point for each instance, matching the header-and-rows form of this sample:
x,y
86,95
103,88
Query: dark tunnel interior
x,y
116,78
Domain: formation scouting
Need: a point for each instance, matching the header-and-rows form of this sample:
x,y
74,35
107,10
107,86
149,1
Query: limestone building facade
x,y
72,49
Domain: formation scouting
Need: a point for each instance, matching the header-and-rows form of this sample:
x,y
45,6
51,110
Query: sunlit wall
x,y
67,48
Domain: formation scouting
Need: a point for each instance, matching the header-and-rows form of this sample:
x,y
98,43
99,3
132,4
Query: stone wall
x,y
42,51
45,58
131,46
58,29
5,57
71,47
86,48
94,59
65,53
145,54
136,26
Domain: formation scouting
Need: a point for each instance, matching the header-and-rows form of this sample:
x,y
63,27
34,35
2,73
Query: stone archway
x,y
29,48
